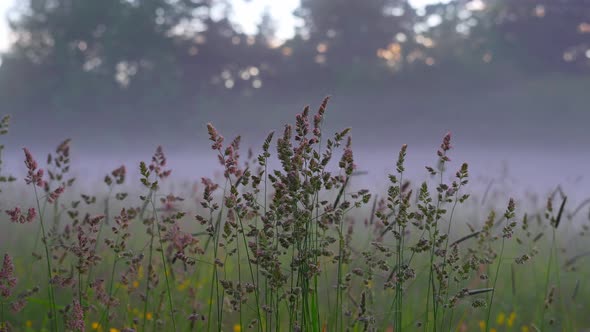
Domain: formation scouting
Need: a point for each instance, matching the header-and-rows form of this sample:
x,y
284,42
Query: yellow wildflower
x,y
95,326
237,328
135,284
112,329
149,316
184,285
482,325
525,328
501,319
29,323
511,319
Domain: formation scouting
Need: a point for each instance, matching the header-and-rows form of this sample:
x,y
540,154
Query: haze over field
x,y
511,102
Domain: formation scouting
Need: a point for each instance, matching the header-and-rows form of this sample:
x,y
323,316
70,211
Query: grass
x,y
298,248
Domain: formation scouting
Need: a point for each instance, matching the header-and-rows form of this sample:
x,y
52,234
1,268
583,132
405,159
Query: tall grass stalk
x,y
50,289
165,265
507,232
492,293
462,175
216,230
105,221
433,233
149,269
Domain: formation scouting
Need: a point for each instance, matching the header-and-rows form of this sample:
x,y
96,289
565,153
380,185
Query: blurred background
x,y
509,78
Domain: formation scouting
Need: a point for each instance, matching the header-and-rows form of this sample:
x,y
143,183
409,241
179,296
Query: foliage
x,y
296,248
158,53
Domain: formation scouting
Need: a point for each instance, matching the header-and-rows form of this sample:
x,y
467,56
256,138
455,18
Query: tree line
x,y
83,53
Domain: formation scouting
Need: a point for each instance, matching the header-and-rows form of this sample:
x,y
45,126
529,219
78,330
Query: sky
x,y
247,13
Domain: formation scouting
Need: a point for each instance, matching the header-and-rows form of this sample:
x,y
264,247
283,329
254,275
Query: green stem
x,y
164,263
494,286
256,295
105,221
80,287
50,290
49,270
147,284
105,313
547,277
566,312
446,291
431,269
2,319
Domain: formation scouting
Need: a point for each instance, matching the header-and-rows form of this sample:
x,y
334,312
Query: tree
x,y
539,35
72,52
345,32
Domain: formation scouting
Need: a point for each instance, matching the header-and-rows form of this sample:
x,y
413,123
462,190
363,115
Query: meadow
x,y
296,248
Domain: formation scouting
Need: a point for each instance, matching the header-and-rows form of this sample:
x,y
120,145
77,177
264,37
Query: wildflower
x,y
122,219
525,328
112,329
347,161
7,278
95,325
18,305
54,195
302,124
401,158
231,158
511,319
501,318
442,152
101,294
34,175
446,144
210,187
509,214
16,215
76,319
214,137
64,148
237,328
169,203
149,316
182,286
30,162
482,325
29,324
318,118
158,163
62,282
119,174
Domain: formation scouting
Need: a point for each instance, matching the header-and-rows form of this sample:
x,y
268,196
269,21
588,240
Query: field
x,y
298,248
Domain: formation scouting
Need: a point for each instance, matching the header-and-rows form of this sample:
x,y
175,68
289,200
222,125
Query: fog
x,y
530,151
